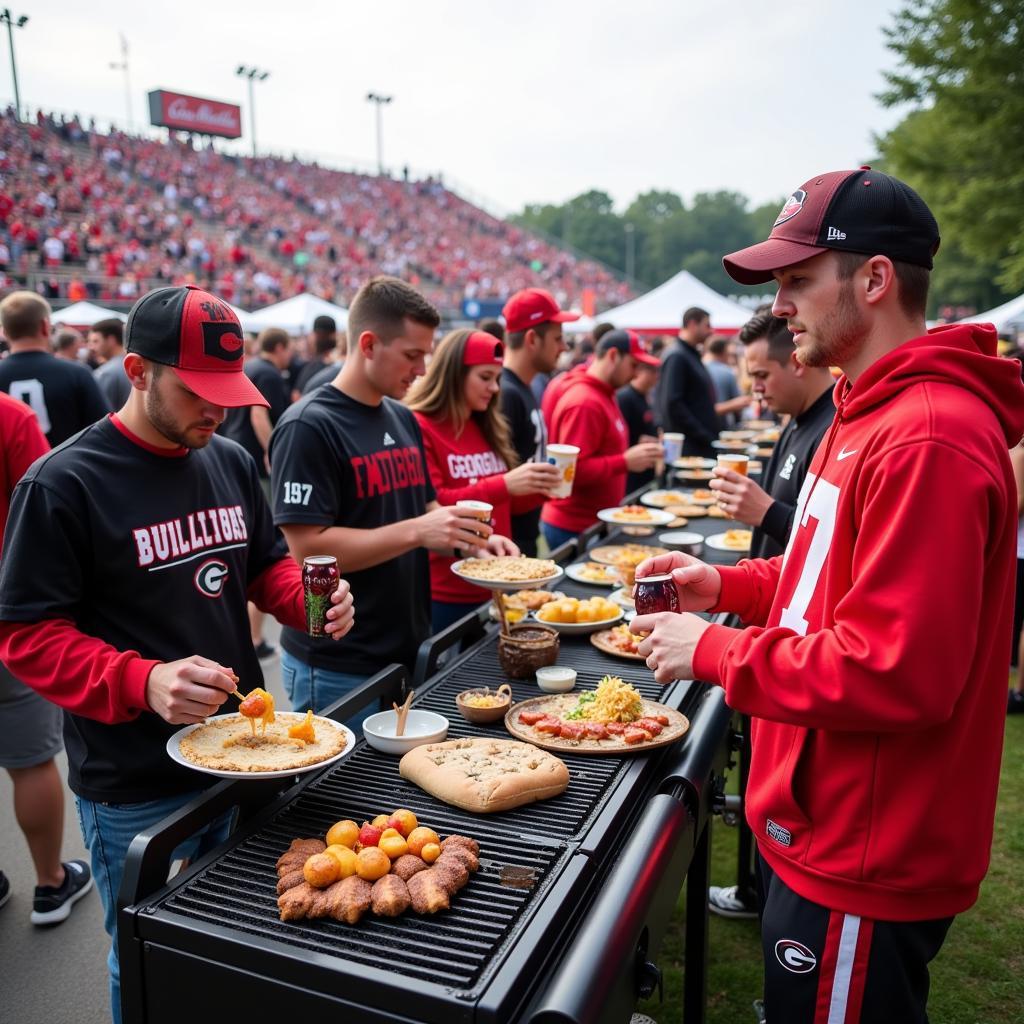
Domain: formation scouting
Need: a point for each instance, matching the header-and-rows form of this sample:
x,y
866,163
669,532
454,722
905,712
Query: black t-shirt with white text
x,y
530,439
150,553
62,394
238,422
337,462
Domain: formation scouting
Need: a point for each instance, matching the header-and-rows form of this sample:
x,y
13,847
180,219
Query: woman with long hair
x,y
469,453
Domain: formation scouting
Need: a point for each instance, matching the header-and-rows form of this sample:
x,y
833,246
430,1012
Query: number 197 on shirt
x,y
297,494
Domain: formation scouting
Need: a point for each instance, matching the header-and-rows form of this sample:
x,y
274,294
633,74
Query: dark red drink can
x,y
319,580
656,594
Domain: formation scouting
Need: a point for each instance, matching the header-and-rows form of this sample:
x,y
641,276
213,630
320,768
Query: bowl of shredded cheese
x,y
484,706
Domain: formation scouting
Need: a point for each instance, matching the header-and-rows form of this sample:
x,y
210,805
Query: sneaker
x,y
265,650
759,1011
1015,703
724,901
52,904
5,889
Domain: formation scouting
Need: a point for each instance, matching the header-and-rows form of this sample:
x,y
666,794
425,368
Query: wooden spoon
x,y
403,713
500,605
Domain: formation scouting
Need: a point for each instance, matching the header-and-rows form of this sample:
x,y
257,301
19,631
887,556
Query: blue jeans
x,y
316,688
555,535
108,830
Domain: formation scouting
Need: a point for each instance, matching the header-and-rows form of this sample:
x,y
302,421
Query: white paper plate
x,y
573,572
623,596
658,518
507,586
571,628
656,499
174,750
684,463
717,541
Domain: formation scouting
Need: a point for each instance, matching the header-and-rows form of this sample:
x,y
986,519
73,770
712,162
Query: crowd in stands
x,y
106,217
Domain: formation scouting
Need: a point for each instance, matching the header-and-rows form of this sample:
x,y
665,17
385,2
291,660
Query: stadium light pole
x,y
122,65
254,75
380,101
11,22
630,250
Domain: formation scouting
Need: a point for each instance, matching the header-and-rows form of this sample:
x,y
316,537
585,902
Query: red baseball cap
x,y
483,349
200,336
628,343
861,211
532,307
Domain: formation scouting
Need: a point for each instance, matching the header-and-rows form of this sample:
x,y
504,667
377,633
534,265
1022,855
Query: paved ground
x,y
59,975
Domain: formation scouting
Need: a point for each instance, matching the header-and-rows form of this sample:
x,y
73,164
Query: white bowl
x,y
420,727
556,678
690,543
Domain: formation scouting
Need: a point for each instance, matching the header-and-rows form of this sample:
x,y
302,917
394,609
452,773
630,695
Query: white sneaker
x,y
724,901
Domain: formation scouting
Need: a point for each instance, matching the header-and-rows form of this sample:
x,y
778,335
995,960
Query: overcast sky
x,y
526,102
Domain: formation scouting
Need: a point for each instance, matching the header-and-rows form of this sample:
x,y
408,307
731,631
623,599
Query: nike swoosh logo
x,y
844,454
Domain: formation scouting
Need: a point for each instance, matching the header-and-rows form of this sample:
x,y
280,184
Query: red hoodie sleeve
x,y
878,667
278,590
582,424
77,672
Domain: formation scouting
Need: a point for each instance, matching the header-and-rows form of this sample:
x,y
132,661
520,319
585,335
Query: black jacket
x,y
686,400
785,472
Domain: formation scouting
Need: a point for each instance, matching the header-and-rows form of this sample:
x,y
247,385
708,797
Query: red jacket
x,y
466,468
587,415
21,443
876,673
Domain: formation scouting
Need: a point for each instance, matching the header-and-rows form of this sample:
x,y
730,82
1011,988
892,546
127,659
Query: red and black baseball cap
x,y
629,343
483,349
200,336
532,307
861,211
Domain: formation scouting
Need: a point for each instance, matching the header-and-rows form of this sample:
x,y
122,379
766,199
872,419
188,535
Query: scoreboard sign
x,y
194,114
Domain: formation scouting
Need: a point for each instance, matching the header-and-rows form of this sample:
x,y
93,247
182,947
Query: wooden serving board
x,y
602,641
559,703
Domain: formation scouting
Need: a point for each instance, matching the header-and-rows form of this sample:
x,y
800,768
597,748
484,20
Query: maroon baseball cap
x,y
532,307
861,211
628,343
200,336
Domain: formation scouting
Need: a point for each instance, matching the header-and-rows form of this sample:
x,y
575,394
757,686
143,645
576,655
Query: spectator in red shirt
x,y
587,416
470,455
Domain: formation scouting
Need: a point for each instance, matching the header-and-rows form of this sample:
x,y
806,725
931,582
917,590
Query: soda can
x,y
320,579
656,594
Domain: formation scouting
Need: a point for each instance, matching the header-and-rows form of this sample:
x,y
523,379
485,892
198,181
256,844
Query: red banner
x,y
194,114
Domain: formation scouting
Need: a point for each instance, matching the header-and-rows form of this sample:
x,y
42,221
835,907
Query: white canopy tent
x,y
85,314
294,315
662,309
1007,317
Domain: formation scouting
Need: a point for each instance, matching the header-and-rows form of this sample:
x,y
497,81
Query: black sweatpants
x,y
822,966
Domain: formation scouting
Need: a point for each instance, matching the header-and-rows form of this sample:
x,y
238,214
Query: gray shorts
x,y
30,727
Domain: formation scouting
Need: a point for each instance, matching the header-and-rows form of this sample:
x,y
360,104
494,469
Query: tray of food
x,y
595,573
268,746
612,719
634,515
383,869
507,572
573,615
731,540
519,603
618,641
610,554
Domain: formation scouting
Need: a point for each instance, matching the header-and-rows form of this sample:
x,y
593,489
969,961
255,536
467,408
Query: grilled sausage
x,y
390,896
408,865
349,899
470,844
289,881
427,892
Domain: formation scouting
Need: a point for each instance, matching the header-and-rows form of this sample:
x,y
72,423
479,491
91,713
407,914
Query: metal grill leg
x,y
695,962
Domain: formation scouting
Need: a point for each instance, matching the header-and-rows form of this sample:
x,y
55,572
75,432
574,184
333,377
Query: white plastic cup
x,y
481,510
563,457
673,445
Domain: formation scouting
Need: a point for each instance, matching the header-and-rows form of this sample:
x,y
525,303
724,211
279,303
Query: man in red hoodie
x,y
873,663
587,415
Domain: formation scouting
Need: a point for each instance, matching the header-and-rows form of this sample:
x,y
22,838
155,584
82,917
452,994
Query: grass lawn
x,y
977,978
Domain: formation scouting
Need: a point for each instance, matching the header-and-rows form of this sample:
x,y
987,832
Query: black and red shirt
x,y
338,462
120,556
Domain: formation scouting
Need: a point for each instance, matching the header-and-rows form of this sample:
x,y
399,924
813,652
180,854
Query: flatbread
x,y
226,744
485,775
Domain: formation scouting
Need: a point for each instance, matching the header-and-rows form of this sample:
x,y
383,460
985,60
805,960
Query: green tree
x,y
961,145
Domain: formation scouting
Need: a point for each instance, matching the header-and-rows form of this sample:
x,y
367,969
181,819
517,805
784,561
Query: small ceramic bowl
x,y
689,543
420,727
556,678
483,716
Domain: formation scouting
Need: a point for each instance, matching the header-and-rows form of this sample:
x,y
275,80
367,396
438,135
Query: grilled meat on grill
x,y
289,881
407,865
297,902
464,841
390,896
428,892
349,899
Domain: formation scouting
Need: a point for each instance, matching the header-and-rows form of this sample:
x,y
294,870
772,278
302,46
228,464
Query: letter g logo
x,y
795,956
210,577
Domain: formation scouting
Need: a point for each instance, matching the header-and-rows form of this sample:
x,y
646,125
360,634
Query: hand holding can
x,y
320,578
